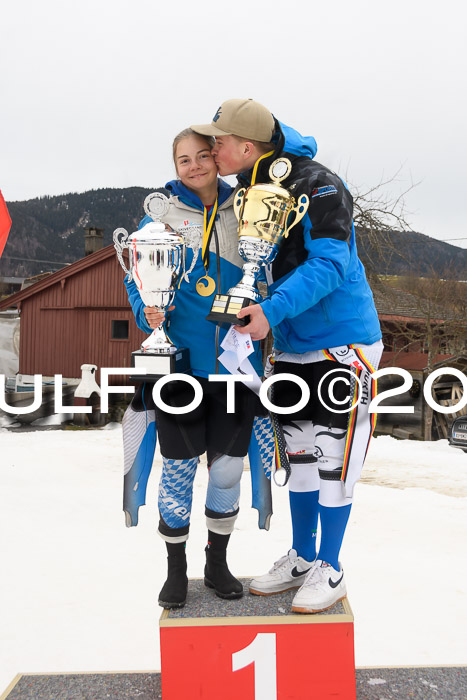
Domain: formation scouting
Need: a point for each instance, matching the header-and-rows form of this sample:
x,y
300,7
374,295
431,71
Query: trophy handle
x,y
120,237
156,205
299,210
238,202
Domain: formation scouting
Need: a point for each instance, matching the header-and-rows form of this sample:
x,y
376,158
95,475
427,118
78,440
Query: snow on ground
x,y
78,589
407,463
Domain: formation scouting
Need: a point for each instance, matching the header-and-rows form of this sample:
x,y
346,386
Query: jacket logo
x,y
217,115
323,191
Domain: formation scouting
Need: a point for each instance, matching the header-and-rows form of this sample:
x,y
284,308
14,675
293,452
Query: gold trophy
x,y
266,213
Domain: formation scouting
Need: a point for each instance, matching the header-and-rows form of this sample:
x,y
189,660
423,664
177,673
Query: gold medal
x,y
205,289
208,287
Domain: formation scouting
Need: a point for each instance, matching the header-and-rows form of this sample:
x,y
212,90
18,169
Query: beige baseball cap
x,y
245,118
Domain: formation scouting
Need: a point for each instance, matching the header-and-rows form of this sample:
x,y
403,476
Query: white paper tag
x,y
239,343
237,346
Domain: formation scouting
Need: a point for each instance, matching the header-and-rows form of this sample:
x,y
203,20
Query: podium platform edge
x,y
297,618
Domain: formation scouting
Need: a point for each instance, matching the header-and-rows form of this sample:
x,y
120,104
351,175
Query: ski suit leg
x,y
223,494
303,486
175,497
139,445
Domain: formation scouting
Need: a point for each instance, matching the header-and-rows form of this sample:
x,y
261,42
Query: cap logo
x,y
217,114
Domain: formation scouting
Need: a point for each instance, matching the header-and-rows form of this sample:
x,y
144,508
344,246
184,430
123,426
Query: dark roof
x,y
419,360
12,280
390,301
410,360
68,271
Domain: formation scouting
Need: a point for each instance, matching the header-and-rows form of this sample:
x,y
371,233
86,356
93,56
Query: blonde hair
x,y
186,133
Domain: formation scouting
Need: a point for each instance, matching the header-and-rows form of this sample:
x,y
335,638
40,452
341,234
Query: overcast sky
x,y
94,91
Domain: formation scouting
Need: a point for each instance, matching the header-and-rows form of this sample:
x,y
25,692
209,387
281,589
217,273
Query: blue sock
x,y
333,522
304,511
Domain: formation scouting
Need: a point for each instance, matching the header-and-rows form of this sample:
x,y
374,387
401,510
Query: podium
x,y
254,648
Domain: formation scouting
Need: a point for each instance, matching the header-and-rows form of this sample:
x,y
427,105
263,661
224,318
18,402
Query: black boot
x,y
216,571
173,592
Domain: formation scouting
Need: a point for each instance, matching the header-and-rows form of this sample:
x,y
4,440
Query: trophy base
x,y
157,365
225,309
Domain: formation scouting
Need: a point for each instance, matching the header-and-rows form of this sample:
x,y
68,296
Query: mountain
x,y
408,252
51,229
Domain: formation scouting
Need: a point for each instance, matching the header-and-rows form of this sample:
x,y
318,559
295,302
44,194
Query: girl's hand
x,y
155,316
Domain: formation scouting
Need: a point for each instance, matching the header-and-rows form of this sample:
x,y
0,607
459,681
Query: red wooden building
x,y
80,314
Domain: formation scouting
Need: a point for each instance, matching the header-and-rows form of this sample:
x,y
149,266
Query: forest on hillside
x,y
48,232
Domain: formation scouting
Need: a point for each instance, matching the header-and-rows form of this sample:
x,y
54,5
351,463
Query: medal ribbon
x,y
207,231
255,169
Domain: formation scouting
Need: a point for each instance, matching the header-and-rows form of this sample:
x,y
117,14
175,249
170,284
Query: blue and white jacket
x,y
319,295
187,325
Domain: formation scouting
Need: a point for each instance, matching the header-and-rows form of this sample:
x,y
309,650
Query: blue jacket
x,y
319,295
187,325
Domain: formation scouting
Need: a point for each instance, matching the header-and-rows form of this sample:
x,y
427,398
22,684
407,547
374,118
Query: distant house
x,y
10,285
411,323
79,314
419,340
423,423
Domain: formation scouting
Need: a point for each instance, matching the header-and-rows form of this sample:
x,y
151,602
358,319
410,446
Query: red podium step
x,y
255,649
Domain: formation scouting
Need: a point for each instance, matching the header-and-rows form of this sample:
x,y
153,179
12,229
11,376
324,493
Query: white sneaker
x,y
323,586
286,574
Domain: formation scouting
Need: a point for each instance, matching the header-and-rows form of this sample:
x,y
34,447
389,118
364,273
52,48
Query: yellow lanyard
x,y
207,228
266,155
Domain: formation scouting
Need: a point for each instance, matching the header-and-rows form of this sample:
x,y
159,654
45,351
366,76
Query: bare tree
x,y
377,215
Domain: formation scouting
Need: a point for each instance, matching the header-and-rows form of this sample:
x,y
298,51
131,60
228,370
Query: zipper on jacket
x,y
218,264
325,310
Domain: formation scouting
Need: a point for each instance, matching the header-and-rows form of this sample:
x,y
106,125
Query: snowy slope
x,y
78,590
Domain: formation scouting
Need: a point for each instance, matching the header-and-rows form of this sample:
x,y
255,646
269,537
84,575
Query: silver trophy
x,y
156,254
266,212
